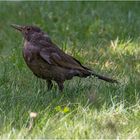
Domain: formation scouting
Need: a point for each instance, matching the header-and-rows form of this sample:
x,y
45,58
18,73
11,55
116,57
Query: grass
x,y
103,36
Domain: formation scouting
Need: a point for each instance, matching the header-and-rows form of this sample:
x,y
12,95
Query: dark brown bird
x,y
49,62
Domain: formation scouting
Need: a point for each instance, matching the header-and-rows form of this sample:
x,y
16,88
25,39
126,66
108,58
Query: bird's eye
x,y
28,28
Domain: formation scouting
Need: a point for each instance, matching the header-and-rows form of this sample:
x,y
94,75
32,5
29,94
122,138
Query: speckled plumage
x,y
48,62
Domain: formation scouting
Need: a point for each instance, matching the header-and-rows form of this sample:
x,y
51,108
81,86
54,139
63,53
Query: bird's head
x,y
28,31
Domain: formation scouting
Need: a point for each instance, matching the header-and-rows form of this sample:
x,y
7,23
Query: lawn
x,y
104,36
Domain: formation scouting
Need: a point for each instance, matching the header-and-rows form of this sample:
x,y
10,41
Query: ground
x,y
103,36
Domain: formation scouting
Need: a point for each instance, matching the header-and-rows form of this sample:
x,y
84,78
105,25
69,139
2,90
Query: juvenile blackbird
x,y
49,62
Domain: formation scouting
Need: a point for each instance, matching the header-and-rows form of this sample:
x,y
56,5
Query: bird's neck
x,y
26,43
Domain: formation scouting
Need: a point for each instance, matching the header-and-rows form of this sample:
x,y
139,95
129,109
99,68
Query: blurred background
x,y
87,24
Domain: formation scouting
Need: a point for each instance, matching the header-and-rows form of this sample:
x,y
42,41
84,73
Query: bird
x,y
47,61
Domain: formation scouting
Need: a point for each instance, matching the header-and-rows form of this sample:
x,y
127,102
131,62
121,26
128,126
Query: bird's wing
x,y
56,57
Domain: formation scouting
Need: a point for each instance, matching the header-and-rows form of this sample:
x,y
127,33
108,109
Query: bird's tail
x,y
103,77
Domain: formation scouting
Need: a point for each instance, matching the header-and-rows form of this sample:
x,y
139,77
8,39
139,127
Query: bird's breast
x,y
34,62
30,52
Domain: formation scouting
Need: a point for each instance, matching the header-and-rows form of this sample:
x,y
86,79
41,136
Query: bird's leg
x,y
50,84
61,86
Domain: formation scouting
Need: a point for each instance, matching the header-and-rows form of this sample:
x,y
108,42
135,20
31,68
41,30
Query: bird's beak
x,y
18,27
